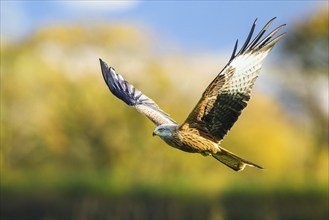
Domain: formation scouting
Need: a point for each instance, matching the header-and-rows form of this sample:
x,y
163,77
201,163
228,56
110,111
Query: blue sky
x,y
193,25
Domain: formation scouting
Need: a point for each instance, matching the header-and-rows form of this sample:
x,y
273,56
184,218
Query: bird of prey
x,y
217,110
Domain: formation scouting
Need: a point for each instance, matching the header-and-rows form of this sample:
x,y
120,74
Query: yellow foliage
x,y
59,117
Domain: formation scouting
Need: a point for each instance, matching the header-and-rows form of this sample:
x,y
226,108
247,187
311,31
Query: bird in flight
x,y
217,110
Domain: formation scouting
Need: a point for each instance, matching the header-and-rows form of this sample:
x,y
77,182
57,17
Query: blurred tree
x,y
58,117
307,44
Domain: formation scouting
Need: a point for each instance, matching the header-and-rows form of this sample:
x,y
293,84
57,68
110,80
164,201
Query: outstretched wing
x,y
133,97
228,94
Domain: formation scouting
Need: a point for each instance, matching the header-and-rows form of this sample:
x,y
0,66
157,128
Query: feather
x,y
133,97
233,161
228,94
261,33
248,38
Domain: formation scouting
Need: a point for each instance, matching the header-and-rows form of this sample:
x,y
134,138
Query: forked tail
x,y
233,161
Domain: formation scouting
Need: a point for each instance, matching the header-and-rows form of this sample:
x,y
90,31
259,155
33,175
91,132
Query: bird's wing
x,y
133,97
228,94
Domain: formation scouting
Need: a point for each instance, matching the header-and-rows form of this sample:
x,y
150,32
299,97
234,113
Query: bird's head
x,y
164,130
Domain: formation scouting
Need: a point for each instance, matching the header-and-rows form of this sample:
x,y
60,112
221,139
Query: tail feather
x,y
233,161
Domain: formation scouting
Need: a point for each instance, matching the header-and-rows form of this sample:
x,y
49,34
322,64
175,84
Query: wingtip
x,y
273,18
255,21
101,61
103,64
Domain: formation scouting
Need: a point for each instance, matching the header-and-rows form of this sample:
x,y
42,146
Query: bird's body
x,y
191,141
217,110
186,141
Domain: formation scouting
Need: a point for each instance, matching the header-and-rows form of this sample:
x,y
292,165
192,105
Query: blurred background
x,y
71,150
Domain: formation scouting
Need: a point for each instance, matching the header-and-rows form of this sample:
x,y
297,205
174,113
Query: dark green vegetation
x,y
147,205
91,196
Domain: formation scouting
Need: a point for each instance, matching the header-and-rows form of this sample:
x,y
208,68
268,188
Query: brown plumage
x,y
217,110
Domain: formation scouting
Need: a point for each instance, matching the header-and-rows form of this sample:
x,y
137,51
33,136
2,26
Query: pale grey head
x,y
164,130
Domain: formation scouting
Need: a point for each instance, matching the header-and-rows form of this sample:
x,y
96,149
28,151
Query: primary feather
x,y
228,94
133,97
